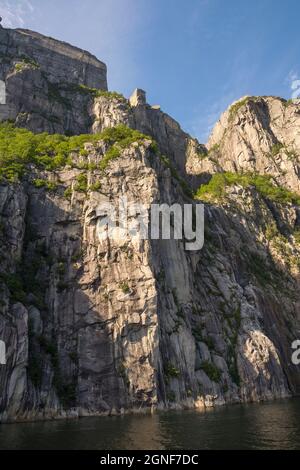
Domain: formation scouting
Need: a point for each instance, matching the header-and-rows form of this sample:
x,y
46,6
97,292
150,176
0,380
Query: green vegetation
x,y
20,148
232,360
209,342
264,184
171,396
275,149
198,335
96,93
289,152
125,287
234,372
55,90
81,183
61,268
20,66
234,322
197,332
49,185
15,286
201,152
214,149
95,186
26,63
233,110
49,347
212,371
111,95
296,235
286,251
236,315
202,155
288,102
121,137
54,94
271,231
66,391
77,256
30,277
259,268
291,155
215,188
68,193
171,371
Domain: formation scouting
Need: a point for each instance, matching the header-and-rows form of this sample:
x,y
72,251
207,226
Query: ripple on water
x,y
273,425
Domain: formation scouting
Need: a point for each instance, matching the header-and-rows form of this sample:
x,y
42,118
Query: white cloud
x,y
294,84
14,12
293,75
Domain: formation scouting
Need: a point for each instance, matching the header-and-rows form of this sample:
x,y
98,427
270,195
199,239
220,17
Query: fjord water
x,y
273,425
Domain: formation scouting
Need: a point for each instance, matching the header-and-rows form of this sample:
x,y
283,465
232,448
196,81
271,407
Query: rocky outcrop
x,y
260,134
138,114
46,82
59,60
96,324
90,339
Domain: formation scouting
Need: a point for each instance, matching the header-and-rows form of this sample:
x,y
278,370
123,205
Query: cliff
x,y
46,82
96,325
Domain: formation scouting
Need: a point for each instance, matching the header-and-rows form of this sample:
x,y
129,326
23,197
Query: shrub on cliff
x,y
113,95
264,184
212,371
20,148
234,108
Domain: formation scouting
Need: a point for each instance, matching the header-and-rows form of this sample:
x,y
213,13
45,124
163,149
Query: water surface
x,y
273,425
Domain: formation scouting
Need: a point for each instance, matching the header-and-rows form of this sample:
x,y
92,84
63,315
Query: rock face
x,y
45,82
138,114
260,134
94,324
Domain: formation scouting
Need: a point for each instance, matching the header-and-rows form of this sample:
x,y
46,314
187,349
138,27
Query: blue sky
x,y
193,57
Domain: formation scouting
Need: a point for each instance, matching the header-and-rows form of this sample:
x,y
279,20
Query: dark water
x,y
257,426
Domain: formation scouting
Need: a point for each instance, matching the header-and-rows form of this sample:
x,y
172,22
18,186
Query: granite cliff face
x,y
261,135
97,326
45,82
